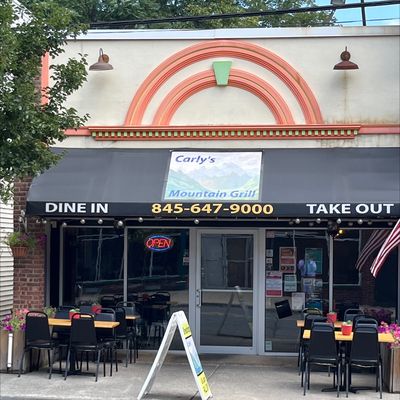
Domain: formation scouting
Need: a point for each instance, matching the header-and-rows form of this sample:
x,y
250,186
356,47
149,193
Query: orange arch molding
x,y
224,48
237,78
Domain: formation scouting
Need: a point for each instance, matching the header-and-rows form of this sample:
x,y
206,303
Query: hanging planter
x,y
20,243
19,251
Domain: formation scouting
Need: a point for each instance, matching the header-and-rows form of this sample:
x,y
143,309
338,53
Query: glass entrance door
x,y
225,292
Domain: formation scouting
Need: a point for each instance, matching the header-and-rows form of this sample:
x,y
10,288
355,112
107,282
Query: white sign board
x,y
178,319
212,176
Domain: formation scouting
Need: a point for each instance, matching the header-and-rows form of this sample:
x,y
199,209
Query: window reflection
x,y
158,279
93,265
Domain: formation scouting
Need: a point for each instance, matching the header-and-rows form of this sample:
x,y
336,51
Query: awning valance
x,y
350,182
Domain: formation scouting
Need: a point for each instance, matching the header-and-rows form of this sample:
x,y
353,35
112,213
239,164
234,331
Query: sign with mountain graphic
x,y
216,176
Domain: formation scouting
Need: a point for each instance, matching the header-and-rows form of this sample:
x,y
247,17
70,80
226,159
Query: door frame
x,y
256,293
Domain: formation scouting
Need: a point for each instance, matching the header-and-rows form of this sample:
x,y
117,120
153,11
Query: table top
x,y
97,324
132,317
300,323
382,337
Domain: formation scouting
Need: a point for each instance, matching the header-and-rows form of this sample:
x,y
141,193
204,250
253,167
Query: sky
x,y
385,15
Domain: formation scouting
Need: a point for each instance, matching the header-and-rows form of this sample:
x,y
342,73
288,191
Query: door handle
x,y
198,298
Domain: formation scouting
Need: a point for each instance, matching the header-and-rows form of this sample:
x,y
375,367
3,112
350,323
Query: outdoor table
x,y
132,317
97,324
300,324
67,323
382,337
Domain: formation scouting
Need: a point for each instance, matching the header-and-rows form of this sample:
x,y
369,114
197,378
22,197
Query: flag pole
x,y
330,273
398,284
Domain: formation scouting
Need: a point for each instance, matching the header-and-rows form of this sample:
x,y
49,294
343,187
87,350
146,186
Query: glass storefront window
x,y
93,265
376,297
158,279
296,268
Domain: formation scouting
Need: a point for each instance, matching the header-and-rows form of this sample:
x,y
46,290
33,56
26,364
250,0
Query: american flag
x,y
391,242
376,239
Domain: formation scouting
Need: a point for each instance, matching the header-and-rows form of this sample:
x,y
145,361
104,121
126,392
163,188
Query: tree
x,y
119,10
28,127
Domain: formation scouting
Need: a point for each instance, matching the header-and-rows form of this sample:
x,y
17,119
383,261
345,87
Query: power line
x,y
244,15
370,20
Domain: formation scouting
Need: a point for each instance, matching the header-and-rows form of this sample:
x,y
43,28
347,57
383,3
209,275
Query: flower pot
x,y
71,313
391,368
19,252
18,343
96,308
347,329
332,317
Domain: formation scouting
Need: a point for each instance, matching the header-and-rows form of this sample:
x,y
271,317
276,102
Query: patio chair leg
x,y
51,356
110,356
67,363
126,352
104,362
338,381
305,378
97,364
380,379
38,360
21,363
347,380
60,356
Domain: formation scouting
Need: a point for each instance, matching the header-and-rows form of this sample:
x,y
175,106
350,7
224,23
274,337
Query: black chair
x,y
37,336
123,334
311,310
162,298
85,309
107,336
283,309
322,350
363,320
309,320
61,333
365,353
108,301
350,313
83,338
130,310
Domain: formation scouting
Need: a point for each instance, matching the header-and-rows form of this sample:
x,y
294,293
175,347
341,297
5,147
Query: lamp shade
x,y
102,63
345,63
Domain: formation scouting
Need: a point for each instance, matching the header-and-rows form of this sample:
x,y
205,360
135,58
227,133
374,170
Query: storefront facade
x,y
228,172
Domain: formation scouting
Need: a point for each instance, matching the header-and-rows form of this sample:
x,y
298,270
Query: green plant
x,y
49,311
15,321
348,322
20,239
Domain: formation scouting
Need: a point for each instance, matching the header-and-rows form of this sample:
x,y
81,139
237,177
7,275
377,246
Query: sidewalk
x,y
230,377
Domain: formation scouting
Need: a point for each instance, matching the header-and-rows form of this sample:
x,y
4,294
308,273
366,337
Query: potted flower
x,y
20,243
50,311
347,327
73,311
391,357
12,337
331,316
96,307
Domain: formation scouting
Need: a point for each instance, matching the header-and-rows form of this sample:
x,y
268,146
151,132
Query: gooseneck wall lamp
x,y
102,63
345,63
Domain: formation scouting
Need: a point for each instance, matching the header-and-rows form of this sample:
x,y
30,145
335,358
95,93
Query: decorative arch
x,y
237,78
224,48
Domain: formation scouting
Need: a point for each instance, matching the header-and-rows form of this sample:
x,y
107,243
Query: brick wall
x,y
29,272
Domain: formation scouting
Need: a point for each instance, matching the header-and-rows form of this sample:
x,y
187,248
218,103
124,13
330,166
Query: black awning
x,y
349,182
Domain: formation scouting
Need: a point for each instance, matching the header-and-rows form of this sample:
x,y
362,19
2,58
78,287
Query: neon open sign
x,y
159,243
